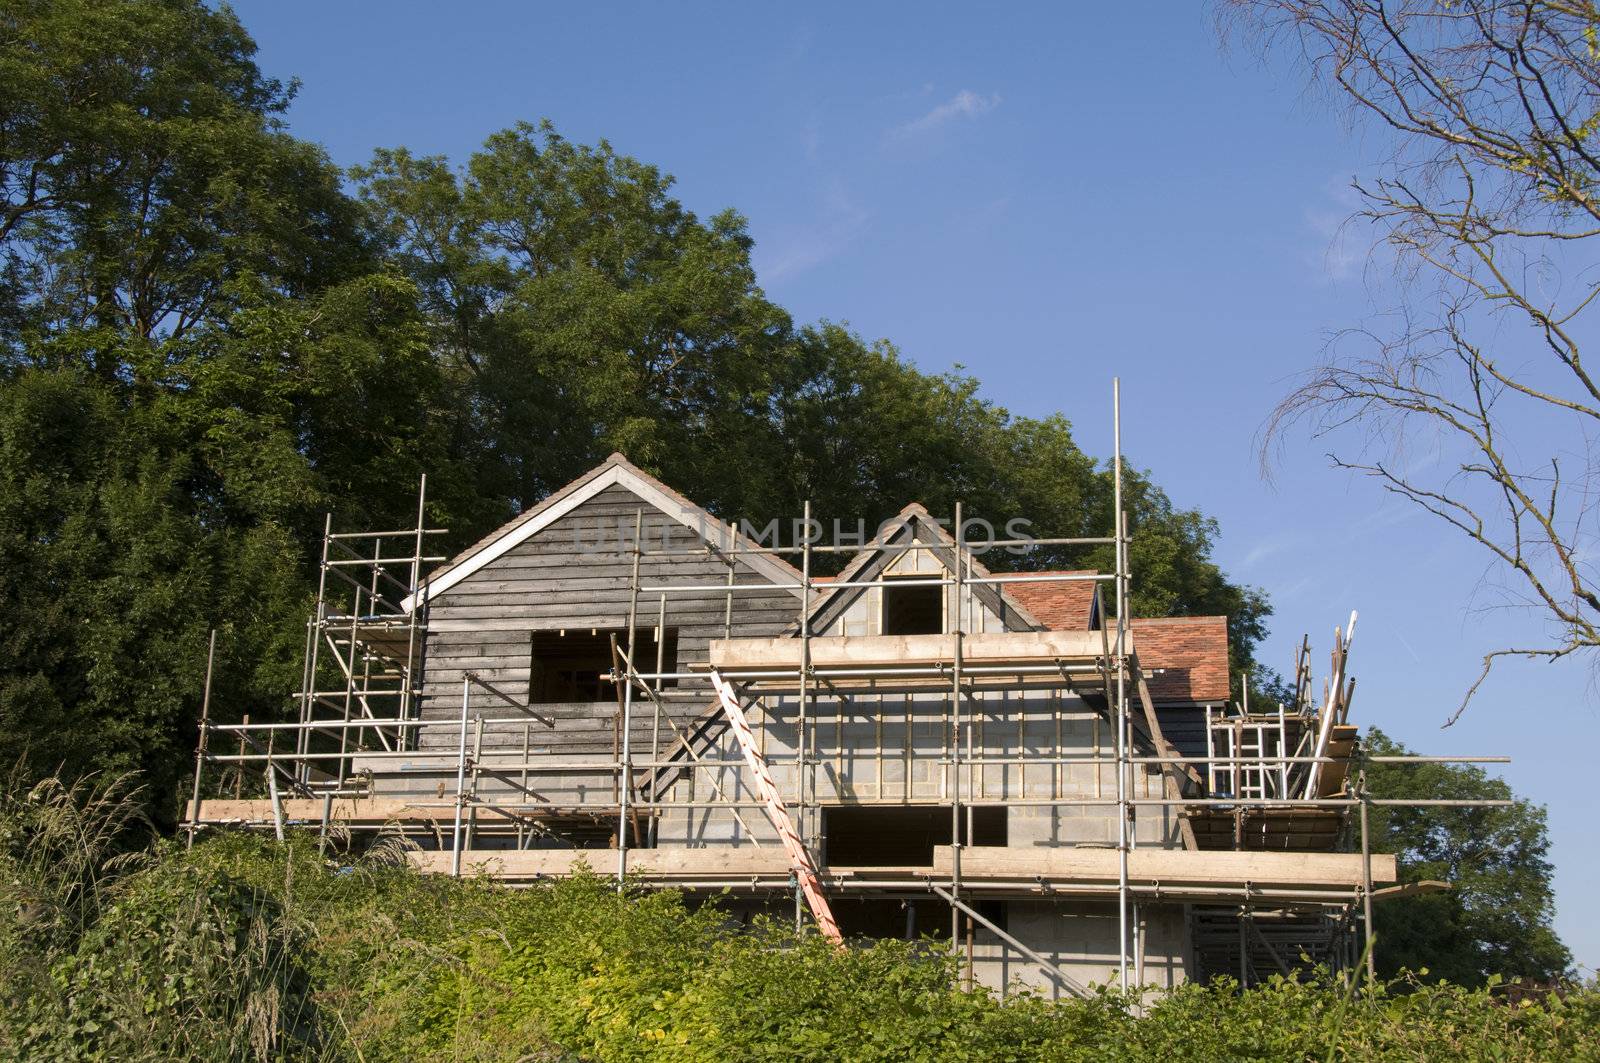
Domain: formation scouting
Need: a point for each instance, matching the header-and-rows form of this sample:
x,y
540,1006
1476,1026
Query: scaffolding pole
x,y
461,778
205,730
1061,977
955,754
1124,810
804,777
625,789
1366,883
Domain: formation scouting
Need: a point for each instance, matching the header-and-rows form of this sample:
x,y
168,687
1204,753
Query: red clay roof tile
x,y
1059,606
1189,655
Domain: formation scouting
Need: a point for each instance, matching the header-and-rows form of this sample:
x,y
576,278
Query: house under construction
x,y
915,747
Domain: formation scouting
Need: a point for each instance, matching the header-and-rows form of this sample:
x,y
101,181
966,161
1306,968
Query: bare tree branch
x,y
1489,193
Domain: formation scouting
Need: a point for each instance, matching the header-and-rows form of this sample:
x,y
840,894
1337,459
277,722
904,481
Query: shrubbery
x,y
247,949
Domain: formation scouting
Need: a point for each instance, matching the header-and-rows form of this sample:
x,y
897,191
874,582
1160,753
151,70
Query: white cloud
x,y
1396,632
1289,590
1261,551
811,138
964,104
835,227
1344,244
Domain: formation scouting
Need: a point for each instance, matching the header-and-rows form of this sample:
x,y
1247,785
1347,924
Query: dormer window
x,y
917,609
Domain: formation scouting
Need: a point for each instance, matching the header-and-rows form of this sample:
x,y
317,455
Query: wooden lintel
x,y
1170,870
1410,889
1172,867
851,651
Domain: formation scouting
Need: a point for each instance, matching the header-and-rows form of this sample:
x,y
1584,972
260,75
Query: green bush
x,y
248,949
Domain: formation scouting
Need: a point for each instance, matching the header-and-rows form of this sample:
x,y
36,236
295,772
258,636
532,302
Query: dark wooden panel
x,y
558,579
1185,728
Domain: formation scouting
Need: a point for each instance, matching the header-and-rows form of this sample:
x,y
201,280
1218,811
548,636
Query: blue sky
x,y
1047,196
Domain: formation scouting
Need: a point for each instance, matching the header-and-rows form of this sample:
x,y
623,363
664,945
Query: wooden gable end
x,y
575,574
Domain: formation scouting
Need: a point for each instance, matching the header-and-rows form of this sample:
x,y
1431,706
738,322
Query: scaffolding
x,y
361,659
1275,780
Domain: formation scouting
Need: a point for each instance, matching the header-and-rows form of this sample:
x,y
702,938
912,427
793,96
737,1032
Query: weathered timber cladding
x,y
1185,727
576,575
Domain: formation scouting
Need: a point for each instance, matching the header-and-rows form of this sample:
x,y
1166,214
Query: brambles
x,y
247,949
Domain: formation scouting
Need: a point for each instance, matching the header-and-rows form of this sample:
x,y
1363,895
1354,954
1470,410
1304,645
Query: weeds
x,y
247,949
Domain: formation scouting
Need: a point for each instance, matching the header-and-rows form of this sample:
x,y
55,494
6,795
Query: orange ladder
x,y
799,858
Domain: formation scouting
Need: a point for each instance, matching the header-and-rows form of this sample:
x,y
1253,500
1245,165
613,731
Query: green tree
x,y
578,309
110,577
198,356
205,344
148,183
1496,917
860,433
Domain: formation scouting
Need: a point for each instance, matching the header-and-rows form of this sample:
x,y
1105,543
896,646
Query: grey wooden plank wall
x,y
1185,727
575,574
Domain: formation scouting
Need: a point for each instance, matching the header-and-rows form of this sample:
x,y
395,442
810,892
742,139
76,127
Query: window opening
x,y
913,610
571,665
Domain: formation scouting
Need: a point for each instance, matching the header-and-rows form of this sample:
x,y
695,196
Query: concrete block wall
x,y
1078,937
911,768
1081,939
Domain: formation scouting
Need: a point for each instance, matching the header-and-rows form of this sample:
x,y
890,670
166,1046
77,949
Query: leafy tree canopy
x,y
1496,918
209,337
578,310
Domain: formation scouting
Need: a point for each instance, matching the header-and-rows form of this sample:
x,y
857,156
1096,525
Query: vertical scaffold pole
x,y
727,613
418,603
625,766
461,777
350,694
955,752
272,787
472,783
238,775
1139,933
1123,807
803,776
1366,882
200,751
1283,751
308,704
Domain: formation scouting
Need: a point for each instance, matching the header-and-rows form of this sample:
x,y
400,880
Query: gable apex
x,y
615,471
924,528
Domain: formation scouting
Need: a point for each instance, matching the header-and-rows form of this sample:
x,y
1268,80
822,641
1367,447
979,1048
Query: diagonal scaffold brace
x,y
772,802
